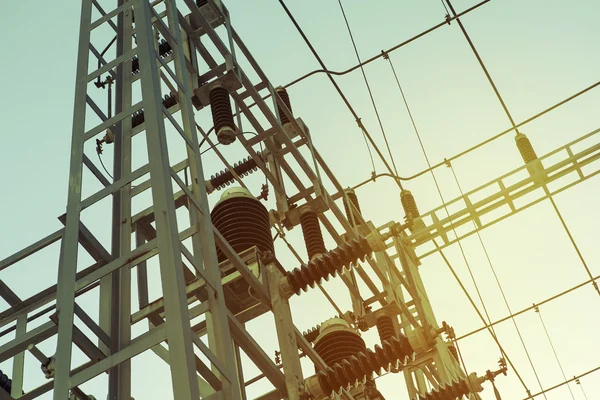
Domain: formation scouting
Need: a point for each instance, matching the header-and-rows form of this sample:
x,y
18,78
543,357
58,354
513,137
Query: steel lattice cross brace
x,y
193,274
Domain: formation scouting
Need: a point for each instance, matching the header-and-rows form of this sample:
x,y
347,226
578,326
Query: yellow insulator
x,y
409,205
525,148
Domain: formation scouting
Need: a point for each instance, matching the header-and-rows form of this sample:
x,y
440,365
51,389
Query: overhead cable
x,y
539,313
481,144
356,117
489,260
492,331
483,67
362,70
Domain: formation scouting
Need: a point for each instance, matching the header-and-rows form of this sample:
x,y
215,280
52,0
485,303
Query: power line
x,y
489,260
487,141
362,70
446,8
578,382
391,49
356,117
537,310
574,379
487,74
571,239
492,331
437,186
488,327
556,296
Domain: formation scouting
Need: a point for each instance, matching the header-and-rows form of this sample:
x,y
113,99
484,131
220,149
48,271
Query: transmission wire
x,y
446,8
571,239
537,310
578,382
366,133
491,328
483,67
362,70
499,284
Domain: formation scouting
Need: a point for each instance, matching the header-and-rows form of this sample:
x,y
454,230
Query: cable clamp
x,y
385,55
536,308
448,163
448,19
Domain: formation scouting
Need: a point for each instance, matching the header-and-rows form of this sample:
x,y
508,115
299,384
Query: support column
x,y
286,335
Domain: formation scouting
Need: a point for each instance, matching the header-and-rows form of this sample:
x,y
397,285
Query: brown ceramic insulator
x,y
329,264
220,107
352,217
224,178
337,346
385,327
244,223
392,353
285,97
311,230
5,383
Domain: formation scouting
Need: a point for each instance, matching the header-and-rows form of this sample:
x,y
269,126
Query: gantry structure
x,y
218,270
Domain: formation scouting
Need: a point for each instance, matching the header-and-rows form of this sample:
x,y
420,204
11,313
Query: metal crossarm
x,y
559,163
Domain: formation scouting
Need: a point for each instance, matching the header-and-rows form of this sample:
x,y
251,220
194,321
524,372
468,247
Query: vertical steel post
x,y
286,335
203,244
19,360
179,334
120,376
67,267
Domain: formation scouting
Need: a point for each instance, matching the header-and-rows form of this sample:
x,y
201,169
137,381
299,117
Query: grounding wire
x,y
537,310
362,70
489,260
492,331
348,105
103,167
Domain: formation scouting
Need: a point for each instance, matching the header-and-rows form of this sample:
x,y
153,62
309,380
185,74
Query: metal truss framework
x,y
191,278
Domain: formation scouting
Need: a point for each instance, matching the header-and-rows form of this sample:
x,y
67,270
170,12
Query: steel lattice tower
x,y
173,81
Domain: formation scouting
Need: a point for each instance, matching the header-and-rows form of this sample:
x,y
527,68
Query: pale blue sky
x,y
538,52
